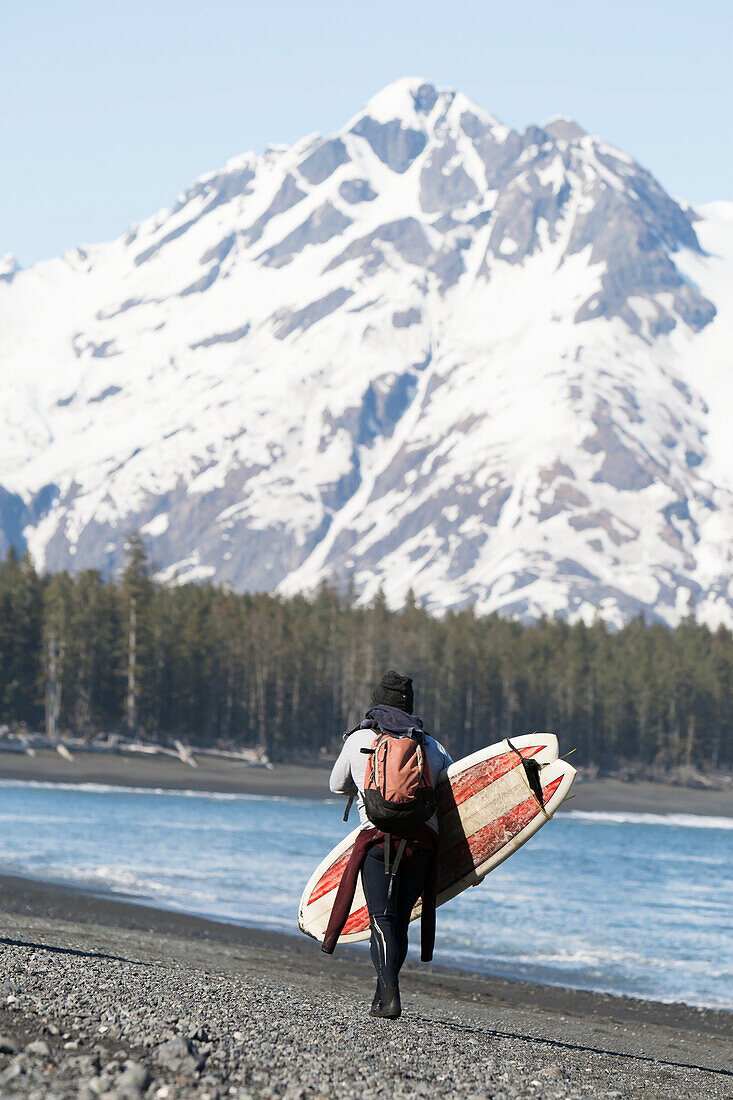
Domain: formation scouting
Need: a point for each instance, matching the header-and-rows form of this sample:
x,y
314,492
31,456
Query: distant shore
x,y
298,781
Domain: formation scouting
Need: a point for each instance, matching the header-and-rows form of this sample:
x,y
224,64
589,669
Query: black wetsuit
x,y
389,920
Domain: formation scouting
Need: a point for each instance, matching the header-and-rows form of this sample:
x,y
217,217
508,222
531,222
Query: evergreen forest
x,y
82,655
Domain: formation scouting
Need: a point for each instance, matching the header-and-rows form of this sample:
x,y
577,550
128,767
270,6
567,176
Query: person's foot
x,y
389,1007
376,1003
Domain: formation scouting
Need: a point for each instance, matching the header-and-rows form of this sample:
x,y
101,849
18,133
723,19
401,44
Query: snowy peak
x,y
409,101
423,351
460,170
415,103
563,128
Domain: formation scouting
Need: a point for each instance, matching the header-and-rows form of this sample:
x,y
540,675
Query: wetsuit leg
x,y
410,886
389,921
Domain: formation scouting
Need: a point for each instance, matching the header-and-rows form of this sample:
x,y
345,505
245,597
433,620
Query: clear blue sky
x,y
109,109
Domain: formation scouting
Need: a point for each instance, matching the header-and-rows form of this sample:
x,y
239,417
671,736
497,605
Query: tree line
x,y
83,655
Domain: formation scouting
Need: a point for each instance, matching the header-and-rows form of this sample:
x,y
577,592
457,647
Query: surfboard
x,y
488,807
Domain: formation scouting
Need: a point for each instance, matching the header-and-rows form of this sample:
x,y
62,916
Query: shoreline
x,y
59,901
194,1004
217,775
62,895
56,900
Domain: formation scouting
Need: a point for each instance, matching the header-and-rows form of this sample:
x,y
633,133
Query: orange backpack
x,y
398,787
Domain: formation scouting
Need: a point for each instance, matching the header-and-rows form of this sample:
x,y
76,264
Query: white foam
x,y
683,821
119,788
613,985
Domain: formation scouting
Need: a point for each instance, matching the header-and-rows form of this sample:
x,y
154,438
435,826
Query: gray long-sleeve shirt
x,y
349,771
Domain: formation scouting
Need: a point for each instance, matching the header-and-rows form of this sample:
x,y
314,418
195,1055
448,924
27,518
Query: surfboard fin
x,y
532,771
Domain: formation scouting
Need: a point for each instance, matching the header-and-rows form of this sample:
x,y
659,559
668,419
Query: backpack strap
x,y
395,866
367,724
350,803
420,753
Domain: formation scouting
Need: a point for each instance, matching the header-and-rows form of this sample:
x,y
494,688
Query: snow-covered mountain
x,y
427,351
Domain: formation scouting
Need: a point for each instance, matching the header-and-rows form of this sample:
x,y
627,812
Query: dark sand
x,y
216,774
102,997
212,773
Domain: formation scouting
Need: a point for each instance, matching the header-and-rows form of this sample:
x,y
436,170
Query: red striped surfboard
x,y
486,809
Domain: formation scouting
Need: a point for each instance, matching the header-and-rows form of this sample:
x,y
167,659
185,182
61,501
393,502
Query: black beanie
x,y
394,690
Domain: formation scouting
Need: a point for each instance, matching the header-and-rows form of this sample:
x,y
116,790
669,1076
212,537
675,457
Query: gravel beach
x,y
103,998
292,780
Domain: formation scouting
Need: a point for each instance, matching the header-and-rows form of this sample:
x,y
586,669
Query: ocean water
x,y
639,904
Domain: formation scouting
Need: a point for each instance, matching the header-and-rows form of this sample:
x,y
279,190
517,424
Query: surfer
x,y
396,869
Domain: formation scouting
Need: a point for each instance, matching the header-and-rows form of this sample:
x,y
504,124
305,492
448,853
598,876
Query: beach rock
x,y
551,1070
98,1084
179,1056
8,1045
198,1031
84,1063
39,1047
15,1069
135,1076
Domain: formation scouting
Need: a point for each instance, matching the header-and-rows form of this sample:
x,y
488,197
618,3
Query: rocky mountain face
x,y
425,352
